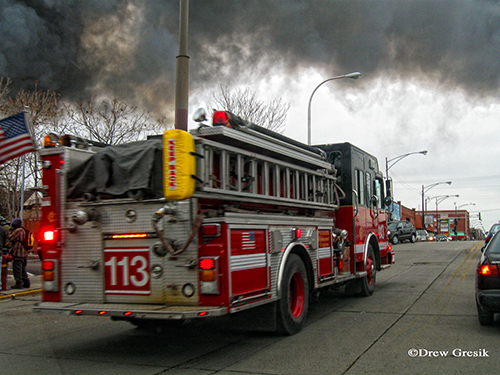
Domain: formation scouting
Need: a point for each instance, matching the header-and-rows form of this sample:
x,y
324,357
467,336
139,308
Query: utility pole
x,y
182,70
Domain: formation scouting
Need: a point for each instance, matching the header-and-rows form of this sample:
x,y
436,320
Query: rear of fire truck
x,y
112,244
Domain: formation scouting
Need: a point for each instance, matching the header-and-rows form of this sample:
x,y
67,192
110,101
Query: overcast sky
x,y
430,72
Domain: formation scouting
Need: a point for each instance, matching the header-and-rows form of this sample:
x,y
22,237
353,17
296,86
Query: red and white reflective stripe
x,y
383,245
247,262
359,249
323,253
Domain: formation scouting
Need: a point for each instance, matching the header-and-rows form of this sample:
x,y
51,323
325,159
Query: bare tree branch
x,y
245,104
111,122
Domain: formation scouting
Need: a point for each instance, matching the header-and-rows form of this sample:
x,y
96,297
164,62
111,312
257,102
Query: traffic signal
x,y
480,216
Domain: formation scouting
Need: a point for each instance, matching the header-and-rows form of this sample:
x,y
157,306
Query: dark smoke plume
x,y
127,48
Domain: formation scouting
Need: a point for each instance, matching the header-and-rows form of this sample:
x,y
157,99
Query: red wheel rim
x,y
369,270
296,298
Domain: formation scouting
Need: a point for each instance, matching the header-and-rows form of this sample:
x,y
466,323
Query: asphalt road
x,y
420,320
34,266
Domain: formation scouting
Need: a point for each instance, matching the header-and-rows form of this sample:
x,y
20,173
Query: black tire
x,y
368,282
294,302
413,238
485,318
395,240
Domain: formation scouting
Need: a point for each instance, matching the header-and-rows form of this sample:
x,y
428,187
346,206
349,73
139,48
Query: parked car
x,y
400,231
441,237
488,282
422,235
494,228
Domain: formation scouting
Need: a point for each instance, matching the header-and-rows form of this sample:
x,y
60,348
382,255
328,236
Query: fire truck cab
x,y
224,219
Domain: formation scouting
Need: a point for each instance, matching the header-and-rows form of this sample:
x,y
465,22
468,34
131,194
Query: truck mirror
x,y
388,201
388,190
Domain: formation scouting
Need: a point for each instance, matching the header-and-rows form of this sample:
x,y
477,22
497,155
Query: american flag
x,y
248,241
15,138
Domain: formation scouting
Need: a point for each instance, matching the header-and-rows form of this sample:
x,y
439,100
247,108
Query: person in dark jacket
x,y
19,255
3,238
5,225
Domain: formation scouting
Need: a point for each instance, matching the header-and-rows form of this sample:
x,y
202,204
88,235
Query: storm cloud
x,y
127,48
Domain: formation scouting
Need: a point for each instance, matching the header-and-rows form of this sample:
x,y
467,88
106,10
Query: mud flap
x,y
261,318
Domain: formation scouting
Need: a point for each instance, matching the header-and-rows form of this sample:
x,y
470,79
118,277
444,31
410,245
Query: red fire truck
x,y
226,218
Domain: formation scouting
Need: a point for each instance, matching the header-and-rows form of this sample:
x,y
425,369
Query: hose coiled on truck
x,y
158,215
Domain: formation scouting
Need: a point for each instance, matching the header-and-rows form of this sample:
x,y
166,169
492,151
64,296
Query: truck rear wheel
x,y
368,282
294,303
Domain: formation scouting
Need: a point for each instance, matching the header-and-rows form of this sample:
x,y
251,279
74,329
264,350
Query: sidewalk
x,y
36,287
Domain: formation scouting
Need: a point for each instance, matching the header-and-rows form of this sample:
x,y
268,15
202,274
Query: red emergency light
x,y
49,235
220,118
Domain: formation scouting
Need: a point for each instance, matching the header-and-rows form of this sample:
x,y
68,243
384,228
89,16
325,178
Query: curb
x,y
18,294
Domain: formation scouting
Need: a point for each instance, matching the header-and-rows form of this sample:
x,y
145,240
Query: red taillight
x,y
209,275
207,264
220,118
48,265
487,270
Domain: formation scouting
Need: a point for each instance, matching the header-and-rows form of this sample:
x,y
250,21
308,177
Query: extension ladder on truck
x,y
253,167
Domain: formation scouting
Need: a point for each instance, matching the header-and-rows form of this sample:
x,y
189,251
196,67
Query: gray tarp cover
x,y
117,170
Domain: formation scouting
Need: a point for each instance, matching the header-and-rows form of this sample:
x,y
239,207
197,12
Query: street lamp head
x,y
354,75
448,182
423,152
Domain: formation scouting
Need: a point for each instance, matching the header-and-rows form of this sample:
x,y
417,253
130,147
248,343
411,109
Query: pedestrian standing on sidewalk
x,y
5,224
3,239
19,255
4,234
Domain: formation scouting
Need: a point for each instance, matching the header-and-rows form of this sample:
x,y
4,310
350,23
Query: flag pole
x,y
29,126
22,188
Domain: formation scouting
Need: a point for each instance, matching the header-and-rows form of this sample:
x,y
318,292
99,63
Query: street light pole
x,y
394,161
424,190
466,226
439,199
398,158
354,75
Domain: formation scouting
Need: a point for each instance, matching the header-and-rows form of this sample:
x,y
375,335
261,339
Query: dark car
x,y
494,228
400,231
488,282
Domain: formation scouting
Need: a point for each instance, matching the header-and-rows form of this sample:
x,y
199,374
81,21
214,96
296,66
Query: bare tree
x,y
244,103
43,108
111,122
4,90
